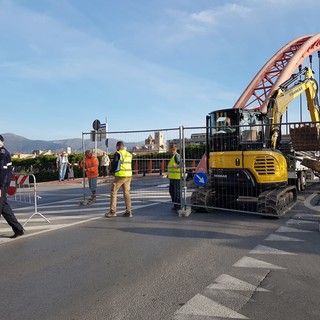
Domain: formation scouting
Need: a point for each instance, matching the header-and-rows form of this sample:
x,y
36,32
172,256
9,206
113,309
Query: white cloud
x,y
183,26
58,52
154,66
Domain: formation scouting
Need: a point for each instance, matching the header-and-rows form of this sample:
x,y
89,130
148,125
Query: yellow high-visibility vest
x,y
125,168
173,172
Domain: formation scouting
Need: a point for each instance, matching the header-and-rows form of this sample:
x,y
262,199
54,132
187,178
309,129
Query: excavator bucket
x,y
305,138
311,163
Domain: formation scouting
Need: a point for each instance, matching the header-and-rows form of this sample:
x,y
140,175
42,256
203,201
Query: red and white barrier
x,y
21,190
13,186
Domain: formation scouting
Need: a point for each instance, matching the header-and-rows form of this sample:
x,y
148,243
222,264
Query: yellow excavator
x,y
246,168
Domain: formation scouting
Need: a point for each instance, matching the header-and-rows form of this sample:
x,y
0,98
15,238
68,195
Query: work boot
x,y
93,196
127,214
110,214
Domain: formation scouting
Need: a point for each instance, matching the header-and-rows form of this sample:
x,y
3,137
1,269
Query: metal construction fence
x,y
150,149
298,142
23,189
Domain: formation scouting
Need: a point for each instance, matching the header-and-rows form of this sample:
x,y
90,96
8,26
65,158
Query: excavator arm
x,y
289,91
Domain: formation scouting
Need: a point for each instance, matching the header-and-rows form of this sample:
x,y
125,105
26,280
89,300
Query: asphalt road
x,y
222,265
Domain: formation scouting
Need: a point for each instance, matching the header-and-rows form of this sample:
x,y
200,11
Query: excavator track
x,y
201,200
278,201
275,203
206,200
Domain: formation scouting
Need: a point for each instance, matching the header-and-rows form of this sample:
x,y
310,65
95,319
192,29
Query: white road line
x,y
276,237
288,229
80,209
259,249
51,227
203,306
248,262
227,282
316,217
299,221
307,203
46,229
52,218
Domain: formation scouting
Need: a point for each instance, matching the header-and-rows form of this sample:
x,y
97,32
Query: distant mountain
x,y
15,143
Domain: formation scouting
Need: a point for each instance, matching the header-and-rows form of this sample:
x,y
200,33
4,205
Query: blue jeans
x,y
93,184
62,171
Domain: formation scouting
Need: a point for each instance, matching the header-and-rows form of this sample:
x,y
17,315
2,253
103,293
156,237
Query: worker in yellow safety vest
x,y
174,173
121,167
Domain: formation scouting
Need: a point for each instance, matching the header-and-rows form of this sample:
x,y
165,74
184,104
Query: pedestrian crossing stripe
x,y
200,305
248,262
227,282
276,237
259,249
289,229
301,221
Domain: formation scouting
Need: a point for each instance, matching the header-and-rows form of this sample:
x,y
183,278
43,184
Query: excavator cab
x,y
235,130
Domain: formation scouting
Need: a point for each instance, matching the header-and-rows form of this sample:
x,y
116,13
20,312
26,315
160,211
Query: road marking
x,y
43,228
289,229
247,262
307,202
307,215
259,249
200,305
276,237
227,282
54,218
48,228
299,221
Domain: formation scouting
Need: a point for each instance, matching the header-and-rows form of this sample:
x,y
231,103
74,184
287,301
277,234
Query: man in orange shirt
x,y
91,166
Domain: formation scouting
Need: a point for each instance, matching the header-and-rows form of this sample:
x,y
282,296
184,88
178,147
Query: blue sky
x,y
142,64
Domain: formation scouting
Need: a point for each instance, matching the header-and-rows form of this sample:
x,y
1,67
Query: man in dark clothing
x,y
5,178
174,173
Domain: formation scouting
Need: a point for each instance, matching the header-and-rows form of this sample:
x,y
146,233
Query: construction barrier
x,y
25,191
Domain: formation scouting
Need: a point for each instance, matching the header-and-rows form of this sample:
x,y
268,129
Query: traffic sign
x,y
200,179
96,124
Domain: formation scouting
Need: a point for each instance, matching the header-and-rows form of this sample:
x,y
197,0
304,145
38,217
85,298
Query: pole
x,y
95,142
300,98
183,190
107,129
319,72
83,171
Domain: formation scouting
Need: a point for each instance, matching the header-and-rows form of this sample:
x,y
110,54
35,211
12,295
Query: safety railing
x,y
23,189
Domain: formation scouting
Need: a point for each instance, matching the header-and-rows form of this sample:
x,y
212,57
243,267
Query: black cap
x,y
1,138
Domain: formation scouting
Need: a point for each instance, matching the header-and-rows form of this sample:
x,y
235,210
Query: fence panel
x,y
243,163
23,189
150,150
248,163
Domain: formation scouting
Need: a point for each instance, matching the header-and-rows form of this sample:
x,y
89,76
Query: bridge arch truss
x,y
277,70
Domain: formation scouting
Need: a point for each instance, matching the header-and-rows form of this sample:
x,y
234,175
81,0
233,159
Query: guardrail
x,y
24,191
